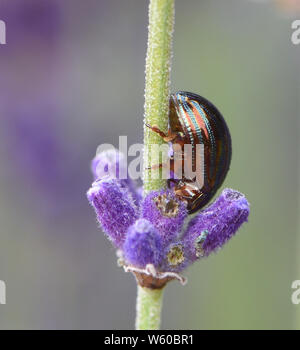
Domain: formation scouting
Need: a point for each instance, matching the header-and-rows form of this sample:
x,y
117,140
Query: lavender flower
x,y
111,164
150,235
166,213
212,228
143,244
175,258
114,208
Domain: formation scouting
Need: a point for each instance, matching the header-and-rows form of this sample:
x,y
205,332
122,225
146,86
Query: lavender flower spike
x,y
142,245
214,226
114,207
166,213
111,164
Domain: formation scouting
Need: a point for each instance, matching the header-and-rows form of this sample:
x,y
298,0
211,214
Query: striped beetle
x,y
194,120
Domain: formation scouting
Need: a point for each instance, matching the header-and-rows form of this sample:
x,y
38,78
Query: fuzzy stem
x,y
149,302
157,92
157,89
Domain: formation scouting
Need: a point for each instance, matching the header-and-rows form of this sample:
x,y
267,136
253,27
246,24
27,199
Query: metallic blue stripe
x,y
185,121
185,107
193,118
210,132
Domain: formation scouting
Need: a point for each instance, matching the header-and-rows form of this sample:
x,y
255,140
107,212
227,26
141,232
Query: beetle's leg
x,y
155,129
166,137
156,166
169,166
170,181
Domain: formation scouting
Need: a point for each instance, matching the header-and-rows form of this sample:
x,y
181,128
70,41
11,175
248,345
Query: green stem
x,y
148,308
157,89
157,92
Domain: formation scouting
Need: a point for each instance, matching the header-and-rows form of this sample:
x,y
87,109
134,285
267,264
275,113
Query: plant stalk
x,y
157,93
157,88
149,303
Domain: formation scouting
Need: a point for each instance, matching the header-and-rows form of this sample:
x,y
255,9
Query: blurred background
x,y
71,78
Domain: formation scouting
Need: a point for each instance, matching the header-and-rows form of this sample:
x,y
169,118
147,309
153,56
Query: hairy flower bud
x,y
111,164
214,226
143,244
166,213
114,207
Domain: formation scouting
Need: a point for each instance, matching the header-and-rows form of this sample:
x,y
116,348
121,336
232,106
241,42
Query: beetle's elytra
x,y
194,120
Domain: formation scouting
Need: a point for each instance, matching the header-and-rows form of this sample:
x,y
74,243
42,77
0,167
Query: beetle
x,y
193,120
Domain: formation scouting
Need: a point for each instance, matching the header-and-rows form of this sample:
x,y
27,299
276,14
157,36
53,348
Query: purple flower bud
x,y
142,245
114,207
111,164
214,226
174,258
166,213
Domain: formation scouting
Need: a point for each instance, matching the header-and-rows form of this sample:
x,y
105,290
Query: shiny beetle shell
x,y
194,120
201,122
